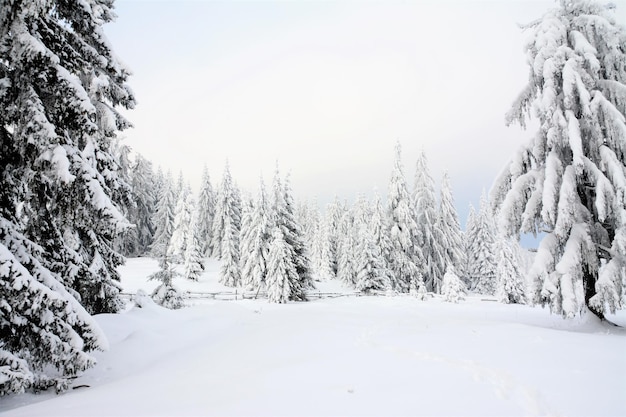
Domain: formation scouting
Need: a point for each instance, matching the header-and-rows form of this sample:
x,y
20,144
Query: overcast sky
x,y
326,88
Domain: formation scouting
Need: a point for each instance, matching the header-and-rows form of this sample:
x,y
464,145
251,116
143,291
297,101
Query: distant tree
x,y
346,245
143,183
163,218
371,270
406,254
205,212
230,273
183,216
194,265
569,181
510,282
227,206
426,215
334,214
380,233
448,232
482,261
452,288
281,272
255,243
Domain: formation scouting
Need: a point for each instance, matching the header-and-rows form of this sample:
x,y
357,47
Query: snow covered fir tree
x,y
569,180
60,88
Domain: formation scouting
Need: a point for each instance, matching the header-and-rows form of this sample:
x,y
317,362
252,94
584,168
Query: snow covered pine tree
x,y
569,181
60,83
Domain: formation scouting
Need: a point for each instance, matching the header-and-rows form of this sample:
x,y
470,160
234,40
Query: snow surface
x,y
341,356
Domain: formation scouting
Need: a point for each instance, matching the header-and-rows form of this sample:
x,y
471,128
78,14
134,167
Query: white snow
x,y
341,356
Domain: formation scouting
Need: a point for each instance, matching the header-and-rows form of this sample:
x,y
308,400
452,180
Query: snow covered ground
x,y
342,356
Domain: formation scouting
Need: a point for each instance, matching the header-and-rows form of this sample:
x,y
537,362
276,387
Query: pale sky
x,y
326,88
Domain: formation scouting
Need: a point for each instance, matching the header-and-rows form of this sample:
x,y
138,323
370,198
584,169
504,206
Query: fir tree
x,y
426,216
255,243
60,87
448,229
163,218
511,286
193,255
143,188
371,271
482,258
230,274
281,272
403,233
569,180
205,212
346,264
181,228
227,206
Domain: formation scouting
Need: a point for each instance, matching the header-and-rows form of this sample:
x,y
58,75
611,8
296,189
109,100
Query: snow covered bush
x,y
452,288
511,285
569,180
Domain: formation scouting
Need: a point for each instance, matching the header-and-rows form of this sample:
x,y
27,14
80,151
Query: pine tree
x,y
166,295
322,259
403,233
482,258
230,274
284,219
511,286
255,243
60,87
426,215
205,212
380,233
181,229
281,272
334,214
371,271
163,218
227,205
193,254
452,288
346,264
569,181
143,186
449,235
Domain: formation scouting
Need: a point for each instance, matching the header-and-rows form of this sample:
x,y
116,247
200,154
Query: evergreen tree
x,y
482,261
469,246
426,212
452,288
569,180
166,295
380,233
511,287
334,214
281,272
143,188
322,260
371,271
255,243
403,233
205,212
346,264
163,218
284,219
60,87
230,274
181,229
227,206
448,232
193,255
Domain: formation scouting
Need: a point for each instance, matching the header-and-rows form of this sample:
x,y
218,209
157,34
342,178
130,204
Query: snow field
x,y
344,356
